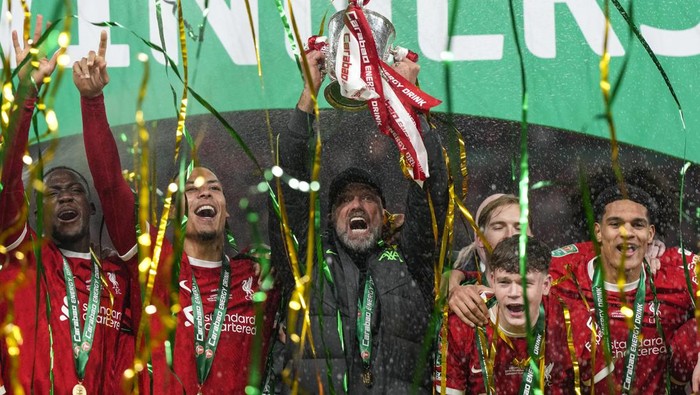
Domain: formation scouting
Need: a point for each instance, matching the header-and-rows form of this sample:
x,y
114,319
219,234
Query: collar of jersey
x,y
74,254
612,287
493,313
203,263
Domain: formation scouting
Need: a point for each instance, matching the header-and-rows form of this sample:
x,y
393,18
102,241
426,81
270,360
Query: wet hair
x,y
506,257
81,178
663,191
483,217
635,194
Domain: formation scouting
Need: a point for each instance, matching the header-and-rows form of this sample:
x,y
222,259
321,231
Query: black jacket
x,y
403,276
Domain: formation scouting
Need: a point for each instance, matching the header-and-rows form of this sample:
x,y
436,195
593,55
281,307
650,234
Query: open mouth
x,y
630,248
67,215
358,223
205,211
516,308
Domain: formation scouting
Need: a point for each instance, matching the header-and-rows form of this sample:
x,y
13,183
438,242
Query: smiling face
x,y
357,217
625,234
206,206
508,290
67,210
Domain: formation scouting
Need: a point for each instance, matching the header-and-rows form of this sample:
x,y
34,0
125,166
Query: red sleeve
x,y
684,352
12,195
460,342
118,203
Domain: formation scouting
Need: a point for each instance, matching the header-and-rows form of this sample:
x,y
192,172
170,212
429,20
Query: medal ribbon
x,y
481,341
630,362
365,308
82,344
532,373
204,350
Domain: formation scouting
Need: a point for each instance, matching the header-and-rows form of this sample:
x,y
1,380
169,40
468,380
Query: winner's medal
x,y
82,342
204,351
367,378
79,389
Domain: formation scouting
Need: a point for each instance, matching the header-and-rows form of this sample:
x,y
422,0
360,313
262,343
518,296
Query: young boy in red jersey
x,y
217,326
501,357
658,304
72,311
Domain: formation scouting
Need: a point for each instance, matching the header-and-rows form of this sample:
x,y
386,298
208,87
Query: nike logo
x,y
183,285
474,370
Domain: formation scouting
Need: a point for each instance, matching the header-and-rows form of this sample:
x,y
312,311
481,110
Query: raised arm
x,y
294,160
417,239
90,77
12,223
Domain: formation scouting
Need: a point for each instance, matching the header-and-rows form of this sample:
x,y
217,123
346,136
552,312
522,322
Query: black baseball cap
x,y
349,176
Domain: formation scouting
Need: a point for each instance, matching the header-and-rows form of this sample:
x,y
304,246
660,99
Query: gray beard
x,y
358,246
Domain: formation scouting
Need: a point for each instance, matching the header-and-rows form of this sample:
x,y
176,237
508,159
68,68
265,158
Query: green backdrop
x,y
561,40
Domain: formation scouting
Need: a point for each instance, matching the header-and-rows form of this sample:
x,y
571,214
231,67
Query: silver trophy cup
x,y
384,34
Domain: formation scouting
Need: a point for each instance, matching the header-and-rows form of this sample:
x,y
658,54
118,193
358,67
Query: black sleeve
x,y
417,241
294,159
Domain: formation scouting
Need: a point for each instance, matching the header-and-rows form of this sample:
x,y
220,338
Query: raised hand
x,y
316,59
45,67
90,73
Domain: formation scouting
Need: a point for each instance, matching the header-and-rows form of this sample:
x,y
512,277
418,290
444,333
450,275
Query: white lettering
x,y
170,31
232,28
672,42
540,31
432,36
88,34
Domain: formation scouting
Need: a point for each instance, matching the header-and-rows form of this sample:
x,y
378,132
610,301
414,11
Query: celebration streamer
x,y
648,50
524,201
602,310
683,171
605,88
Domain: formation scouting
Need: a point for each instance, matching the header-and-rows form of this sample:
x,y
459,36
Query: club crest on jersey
x,y
655,311
564,251
548,374
247,286
112,277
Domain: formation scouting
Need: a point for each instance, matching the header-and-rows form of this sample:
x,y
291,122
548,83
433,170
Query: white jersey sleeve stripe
x,y
132,252
17,242
449,391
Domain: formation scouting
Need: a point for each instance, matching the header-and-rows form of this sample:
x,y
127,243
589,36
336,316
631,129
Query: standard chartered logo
x,y
647,346
107,316
233,322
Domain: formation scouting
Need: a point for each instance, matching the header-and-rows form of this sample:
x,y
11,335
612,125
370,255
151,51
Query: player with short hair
x,y
501,356
659,304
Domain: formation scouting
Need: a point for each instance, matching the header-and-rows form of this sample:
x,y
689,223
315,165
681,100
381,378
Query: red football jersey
x,y
675,308
230,368
46,340
464,373
238,333
113,344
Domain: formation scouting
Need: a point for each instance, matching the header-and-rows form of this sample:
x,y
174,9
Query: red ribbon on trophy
x,y
393,101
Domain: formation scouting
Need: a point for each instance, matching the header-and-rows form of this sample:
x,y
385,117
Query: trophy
x,y
384,34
